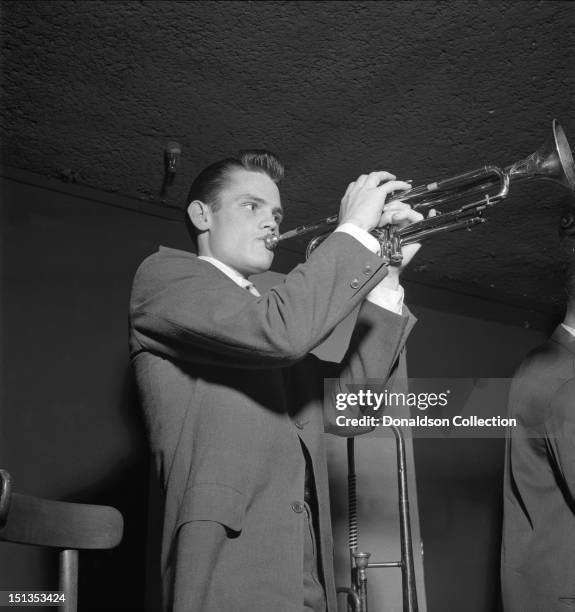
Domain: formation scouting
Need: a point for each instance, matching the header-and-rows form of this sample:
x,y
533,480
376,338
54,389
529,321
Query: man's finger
x,y
361,179
396,205
407,215
375,178
402,217
393,185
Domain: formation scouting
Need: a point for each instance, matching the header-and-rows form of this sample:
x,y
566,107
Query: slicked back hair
x,y
210,181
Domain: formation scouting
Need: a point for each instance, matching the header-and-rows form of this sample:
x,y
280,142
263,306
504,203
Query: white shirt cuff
x,y
369,242
390,299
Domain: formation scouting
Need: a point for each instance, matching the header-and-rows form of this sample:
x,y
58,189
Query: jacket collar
x,y
238,279
169,252
564,338
213,265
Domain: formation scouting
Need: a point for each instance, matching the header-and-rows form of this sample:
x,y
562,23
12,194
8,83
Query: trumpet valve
x,y
390,245
395,243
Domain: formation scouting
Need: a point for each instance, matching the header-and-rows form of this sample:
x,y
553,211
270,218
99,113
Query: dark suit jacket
x,y
538,552
229,390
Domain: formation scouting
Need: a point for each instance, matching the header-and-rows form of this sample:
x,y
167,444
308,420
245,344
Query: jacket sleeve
x,y
560,438
182,312
192,574
375,359
377,340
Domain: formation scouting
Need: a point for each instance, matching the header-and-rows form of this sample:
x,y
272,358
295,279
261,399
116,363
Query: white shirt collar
x,y
571,330
238,279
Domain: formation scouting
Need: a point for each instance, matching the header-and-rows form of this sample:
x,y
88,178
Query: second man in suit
x,y
538,549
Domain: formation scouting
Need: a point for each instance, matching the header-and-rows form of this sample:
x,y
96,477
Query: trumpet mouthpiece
x,y
361,559
271,241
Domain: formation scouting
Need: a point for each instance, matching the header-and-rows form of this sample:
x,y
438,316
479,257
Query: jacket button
x,y
354,283
297,507
367,270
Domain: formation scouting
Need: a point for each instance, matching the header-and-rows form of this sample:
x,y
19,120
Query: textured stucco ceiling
x,y
93,91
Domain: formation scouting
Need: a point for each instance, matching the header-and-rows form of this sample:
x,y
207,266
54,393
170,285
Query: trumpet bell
x,y
552,161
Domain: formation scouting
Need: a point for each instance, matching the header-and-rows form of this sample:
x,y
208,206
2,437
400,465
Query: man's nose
x,y
270,223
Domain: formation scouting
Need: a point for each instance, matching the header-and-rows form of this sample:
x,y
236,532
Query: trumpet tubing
x,y
484,186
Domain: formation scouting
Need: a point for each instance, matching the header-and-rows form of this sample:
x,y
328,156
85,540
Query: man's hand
x,y
364,205
401,215
363,202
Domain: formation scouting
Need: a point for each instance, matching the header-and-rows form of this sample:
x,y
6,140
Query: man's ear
x,y
200,215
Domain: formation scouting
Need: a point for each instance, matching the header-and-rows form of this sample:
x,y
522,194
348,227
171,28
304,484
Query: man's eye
x,y
251,205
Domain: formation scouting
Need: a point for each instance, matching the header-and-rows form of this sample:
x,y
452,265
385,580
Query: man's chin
x,y
262,265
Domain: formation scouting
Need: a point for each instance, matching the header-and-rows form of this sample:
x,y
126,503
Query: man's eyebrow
x,y
250,196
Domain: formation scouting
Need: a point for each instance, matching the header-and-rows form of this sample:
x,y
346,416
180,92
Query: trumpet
x,y
485,187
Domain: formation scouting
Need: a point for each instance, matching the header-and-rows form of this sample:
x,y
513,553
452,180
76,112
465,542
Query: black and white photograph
x,y
287,305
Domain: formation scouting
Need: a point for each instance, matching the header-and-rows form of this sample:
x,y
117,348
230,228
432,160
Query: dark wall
x,y
459,480
70,423
71,427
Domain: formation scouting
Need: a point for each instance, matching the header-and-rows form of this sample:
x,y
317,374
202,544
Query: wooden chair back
x,y
64,526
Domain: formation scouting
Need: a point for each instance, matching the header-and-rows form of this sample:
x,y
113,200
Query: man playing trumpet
x,y
233,398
